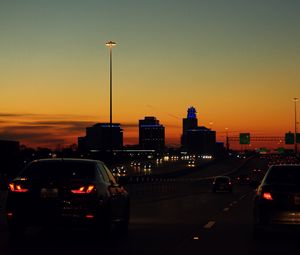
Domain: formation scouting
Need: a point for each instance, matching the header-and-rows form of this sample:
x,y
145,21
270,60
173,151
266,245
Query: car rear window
x,y
284,175
222,180
60,170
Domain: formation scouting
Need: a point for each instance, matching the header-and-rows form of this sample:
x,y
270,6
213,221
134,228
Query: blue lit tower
x,y
188,123
191,113
191,120
194,138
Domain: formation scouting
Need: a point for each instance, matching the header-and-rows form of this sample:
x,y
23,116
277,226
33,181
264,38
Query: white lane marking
x,y
209,224
242,197
226,209
234,202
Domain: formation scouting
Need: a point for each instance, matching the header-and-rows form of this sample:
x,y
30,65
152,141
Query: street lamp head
x,y
295,99
110,44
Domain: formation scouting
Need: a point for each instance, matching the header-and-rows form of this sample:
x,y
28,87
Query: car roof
x,y
222,177
283,166
286,165
66,160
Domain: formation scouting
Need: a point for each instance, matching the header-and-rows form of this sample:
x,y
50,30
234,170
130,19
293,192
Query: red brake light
x,y
83,190
17,188
267,196
9,215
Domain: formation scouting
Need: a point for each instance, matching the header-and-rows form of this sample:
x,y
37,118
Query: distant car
x,y
147,165
66,192
191,163
222,183
243,179
147,168
277,201
256,175
119,171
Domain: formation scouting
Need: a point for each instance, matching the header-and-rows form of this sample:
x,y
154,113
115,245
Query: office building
x,y
101,137
197,139
151,134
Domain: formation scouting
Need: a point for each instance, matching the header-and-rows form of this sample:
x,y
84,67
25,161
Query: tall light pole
x,y
110,45
295,139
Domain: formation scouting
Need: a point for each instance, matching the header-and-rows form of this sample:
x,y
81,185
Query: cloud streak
x,y
43,129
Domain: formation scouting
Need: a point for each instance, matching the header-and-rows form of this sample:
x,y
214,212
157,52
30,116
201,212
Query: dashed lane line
x,y
242,197
209,224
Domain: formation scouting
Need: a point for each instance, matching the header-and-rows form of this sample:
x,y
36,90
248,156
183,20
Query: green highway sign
x,y
244,138
289,138
281,150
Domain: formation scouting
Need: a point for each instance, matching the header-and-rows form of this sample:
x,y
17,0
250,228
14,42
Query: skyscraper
x,y
190,122
194,138
101,137
151,134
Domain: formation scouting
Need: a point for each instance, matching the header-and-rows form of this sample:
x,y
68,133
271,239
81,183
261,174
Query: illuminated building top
x,y
191,113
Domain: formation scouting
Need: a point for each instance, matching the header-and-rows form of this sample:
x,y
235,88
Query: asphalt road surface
x,y
185,218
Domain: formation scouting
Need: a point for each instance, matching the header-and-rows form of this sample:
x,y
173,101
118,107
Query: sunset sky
x,y
236,61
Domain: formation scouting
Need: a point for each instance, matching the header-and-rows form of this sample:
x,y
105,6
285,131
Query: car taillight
x,y
89,216
17,188
83,189
9,215
267,196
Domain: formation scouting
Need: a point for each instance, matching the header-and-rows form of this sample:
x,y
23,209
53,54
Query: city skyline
x,y
236,62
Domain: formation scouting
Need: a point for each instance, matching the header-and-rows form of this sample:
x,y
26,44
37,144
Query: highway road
x,y
185,218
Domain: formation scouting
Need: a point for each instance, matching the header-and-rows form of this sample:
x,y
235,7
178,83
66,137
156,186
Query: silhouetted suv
x,y
222,183
277,202
66,192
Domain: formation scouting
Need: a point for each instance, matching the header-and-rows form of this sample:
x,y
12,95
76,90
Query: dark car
x,y
222,183
243,179
66,192
256,175
277,201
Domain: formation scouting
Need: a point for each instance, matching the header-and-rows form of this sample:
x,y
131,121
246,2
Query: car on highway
x,y
67,192
222,183
147,166
191,163
256,175
277,200
119,171
242,179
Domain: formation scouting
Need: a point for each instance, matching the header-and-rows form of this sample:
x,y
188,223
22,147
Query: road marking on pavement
x,y
226,209
209,224
234,202
242,197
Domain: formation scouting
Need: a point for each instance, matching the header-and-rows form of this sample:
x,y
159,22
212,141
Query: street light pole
x,y
110,45
295,139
